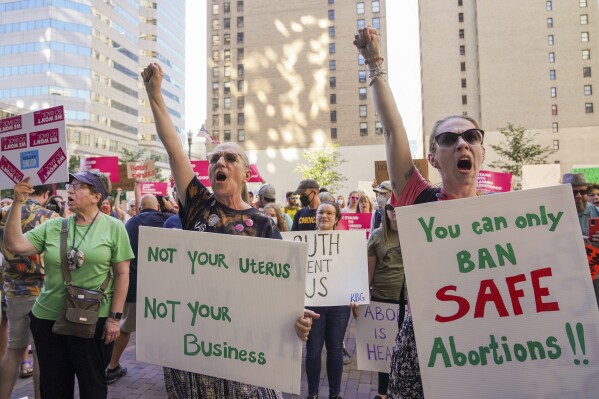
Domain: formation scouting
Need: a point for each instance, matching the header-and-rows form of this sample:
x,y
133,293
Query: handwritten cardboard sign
x,y
107,165
33,145
381,173
376,329
141,169
500,292
221,305
494,182
337,266
156,188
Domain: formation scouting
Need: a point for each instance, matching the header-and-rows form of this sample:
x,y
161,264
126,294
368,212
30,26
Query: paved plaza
x,y
146,381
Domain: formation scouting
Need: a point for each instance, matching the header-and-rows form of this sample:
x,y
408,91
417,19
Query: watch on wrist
x,y
115,315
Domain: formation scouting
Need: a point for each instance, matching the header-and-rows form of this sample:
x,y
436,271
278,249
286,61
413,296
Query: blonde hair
x,y
281,223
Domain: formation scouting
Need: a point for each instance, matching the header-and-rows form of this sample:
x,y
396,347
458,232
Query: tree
x,y
141,155
519,149
320,165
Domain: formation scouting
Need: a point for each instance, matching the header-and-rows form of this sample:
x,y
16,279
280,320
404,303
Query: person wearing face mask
x,y
273,211
383,193
305,218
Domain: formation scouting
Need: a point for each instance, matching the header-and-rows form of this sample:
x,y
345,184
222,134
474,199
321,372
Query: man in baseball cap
x,y
383,192
305,218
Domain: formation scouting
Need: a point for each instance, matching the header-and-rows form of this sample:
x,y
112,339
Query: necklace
x,y
75,257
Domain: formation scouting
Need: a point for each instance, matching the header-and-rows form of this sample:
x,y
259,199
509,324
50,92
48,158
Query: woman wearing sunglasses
x,y
352,203
456,151
223,212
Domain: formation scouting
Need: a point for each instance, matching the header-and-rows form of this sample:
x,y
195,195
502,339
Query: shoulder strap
x,y
429,194
66,273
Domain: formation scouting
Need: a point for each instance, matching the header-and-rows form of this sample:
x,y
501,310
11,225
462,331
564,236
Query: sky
x,y
403,62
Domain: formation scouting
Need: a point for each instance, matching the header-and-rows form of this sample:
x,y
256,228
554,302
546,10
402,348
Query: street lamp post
x,y
189,138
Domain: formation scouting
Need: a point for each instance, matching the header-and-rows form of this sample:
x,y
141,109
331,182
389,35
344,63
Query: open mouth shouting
x,y
464,164
220,177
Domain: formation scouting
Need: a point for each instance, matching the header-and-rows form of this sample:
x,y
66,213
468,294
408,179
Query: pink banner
x,y
494,182
354,221
153,188
10,124
51,165
201,170
107,165
43,137
256,178
49,115
10,170
13,142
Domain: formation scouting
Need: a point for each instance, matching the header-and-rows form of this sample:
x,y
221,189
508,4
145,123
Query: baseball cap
x,y
306,184
90,178
384,187
267,191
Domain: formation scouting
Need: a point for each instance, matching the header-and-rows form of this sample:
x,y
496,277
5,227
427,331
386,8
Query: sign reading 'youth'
x,y
500,292
337,268
221,305
33,145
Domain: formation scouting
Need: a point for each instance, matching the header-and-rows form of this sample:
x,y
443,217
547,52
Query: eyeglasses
x,y
230,157
581,192
389,207
470,136
75,186
354,198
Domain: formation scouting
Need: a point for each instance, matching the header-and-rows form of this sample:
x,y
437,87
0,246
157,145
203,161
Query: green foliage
x,y
142,155
519,149
74,164
320,165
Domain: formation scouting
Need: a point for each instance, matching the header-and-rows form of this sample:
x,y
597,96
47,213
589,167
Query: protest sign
x,y
337,266
376,329
141,169
493,182
537,176
381,174
221,305
106,165
500,292
256,177
124,182
34,145
590,174
156,188
201,170
354,221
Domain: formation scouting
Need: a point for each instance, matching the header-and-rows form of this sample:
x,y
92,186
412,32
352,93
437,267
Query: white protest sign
x,y
221,305
501,296
141,169
376,329
537,176
34,145
337,266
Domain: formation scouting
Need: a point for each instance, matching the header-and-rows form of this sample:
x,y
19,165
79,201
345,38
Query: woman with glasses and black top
x,y
223,212
456,151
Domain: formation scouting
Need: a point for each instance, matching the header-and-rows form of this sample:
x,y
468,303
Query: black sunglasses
x,y
470,136
581,192
389,207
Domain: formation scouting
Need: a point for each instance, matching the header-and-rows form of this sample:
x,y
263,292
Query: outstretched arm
x,y
399,158
180,165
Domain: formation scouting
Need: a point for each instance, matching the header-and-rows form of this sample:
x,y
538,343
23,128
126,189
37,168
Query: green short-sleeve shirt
x,y
106,243
389,272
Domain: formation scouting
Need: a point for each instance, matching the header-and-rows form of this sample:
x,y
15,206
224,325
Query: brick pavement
x,y
145,381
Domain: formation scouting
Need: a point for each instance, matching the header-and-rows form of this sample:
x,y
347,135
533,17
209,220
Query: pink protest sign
x,y
153,188
256,178
494,182
201,170
354,221
34,145
107,165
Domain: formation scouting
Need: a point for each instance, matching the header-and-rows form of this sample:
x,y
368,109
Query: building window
x,y
215,24
331,31
333,132
360,59
332,65
378,127
240,118
215,40
362,76
240,22
362,93
588,108
463,66
215,104
215,120
227,87
552,74
333,116
363,129
227,135
331,1
586,72
227,119
240,102
240,86
331,48
240,6
363,111
550,23
552,57
376,6
463,83
215,72
461,33
584,19
240,135
215,9
215,87
332,81
554,92
227,23
240,70
554,109
333,99
361,24
584,37
582,3
376,23
555,127
461,17
240,54
460,3
549,5
240,38
227,55
226,8
586,55
227,39
550,40
588,90
227,103
215,55
331,15
462,50
464,99
227,70
360,8
556,144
